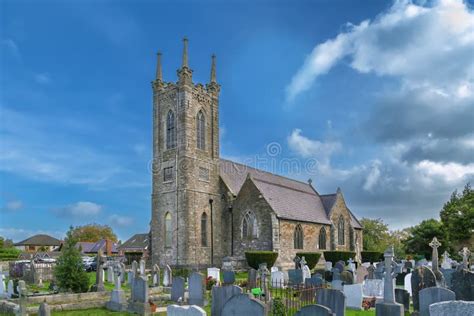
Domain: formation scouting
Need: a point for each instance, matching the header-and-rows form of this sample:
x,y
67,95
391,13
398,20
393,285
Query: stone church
x,y
205,208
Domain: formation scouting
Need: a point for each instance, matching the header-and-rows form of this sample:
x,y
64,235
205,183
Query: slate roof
x,y
39,240
85,246
137,241
93,247
289,199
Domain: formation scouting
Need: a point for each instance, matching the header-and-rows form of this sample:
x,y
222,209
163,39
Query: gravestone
x,y
306,272
263,273
465,254
361,273
296,261
335,300
373,288
314,281
452,308
433,295
278,279
462,284
2,286
336,275
186,310
403,297
177,289
351,265
139,299
446,263
110,275
44,309
22,294
314,310
220,295
423,262
435,244
295,276
135,268
142,267
130,277
167,276
448,277
340,266
214,273
229,277
156,275
388,306
353,296
242,304
347,277
196,289
371,272
10,290
407,283
252,279
337,285
328,266
408,265
379,271
117,298
274,269
421,278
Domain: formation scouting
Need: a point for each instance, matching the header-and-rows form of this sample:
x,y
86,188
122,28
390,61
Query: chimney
x,y
108,247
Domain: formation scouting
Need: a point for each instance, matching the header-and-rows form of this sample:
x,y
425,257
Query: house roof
x,y
328,202
94,247
85,246
39,240
137,241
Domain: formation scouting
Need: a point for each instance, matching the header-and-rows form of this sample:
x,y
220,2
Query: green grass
x,y
350,312
90,312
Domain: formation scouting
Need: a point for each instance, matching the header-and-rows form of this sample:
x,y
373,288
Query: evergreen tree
x,y
69,271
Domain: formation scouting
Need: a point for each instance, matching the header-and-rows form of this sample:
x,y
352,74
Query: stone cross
x,y
264,273
302,261
434,256
22,295
465,253
388,290
297,261
117,271
44,310
142,267
156,275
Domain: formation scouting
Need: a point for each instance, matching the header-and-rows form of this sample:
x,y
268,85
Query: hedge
x,y
335,256
7,254
371,256
311,258
255,258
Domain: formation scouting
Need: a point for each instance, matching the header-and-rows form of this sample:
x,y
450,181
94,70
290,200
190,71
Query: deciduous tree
x,y
93,233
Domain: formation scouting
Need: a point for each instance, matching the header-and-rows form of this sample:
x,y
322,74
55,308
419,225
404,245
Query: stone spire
x,y
213,69
159,73
184,64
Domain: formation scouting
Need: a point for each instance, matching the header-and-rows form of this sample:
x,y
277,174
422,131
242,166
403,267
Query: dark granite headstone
x,y
463,285
433,295
242,304
220,295
378,274
336,275
314,281
177,289
403,297
448,276
332,299
422,277
346,277
408,265
229,277
340,266
452,308
196,289
371,272
252,279
295,276
315,310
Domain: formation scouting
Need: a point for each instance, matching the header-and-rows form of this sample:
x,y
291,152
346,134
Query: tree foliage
x,y
457,217
93,233
422,234
377,237
69,271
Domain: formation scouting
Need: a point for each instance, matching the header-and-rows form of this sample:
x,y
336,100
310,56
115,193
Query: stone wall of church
x,y
250,199
340,209
310,242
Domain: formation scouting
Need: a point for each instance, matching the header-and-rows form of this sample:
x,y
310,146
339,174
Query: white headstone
x,y
407,283
353,296
10,288
306,272
142,267
214,273
274,269
373,288
328,266
278,279
366,264
2,286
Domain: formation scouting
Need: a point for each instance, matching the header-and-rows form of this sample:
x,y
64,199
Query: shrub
x,y
371,256
210,282
9,254
335,256
311,258
278,308
255,258
181,272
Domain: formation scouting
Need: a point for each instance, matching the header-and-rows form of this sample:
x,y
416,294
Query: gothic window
x,y
170,130
340,231
298,237
322,238
201,131
204,230
168,230
249,225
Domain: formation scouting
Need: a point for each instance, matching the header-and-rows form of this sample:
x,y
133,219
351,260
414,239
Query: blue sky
x,y
376,97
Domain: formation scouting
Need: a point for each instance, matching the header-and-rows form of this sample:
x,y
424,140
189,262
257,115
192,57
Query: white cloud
x,y
14,205
450,172
309,148
427,47
12,47
119,220
79,210
373,176
43,78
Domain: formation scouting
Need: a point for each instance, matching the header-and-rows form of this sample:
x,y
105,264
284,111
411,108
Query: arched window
x,y
201,131
170,130
168,230
322,238
204,230
249,225
298,237
340,231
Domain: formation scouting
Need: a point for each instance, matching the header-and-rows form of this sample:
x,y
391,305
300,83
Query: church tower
x,y
186,199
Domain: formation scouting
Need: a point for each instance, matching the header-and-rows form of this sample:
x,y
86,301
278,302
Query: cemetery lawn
x,y
90,312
